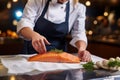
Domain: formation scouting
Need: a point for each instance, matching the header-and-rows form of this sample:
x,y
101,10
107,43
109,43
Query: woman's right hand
x,y
39,42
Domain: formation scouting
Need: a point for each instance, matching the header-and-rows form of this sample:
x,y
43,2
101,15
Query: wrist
x,y
81,49
81,45
34,35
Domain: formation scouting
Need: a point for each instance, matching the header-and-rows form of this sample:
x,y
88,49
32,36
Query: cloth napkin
x,y
18,64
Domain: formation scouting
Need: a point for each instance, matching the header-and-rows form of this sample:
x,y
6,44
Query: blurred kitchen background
x,y
102,27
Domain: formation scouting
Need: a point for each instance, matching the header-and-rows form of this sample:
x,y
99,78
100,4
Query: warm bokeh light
x,y
9,5
12,34
15,0
12,78
0,32
15,22
88,3
111,17
105,13
99,18
95,22
90,32
9,32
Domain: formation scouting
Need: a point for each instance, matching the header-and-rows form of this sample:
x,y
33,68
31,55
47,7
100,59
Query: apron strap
x,y
67,11
45,8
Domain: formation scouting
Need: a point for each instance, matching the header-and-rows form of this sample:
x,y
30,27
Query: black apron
x,y
54,33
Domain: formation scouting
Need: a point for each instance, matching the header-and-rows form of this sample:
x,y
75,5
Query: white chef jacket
x,y
56,13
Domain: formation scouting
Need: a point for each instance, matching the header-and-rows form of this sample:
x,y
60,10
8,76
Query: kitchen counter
x,y
74,74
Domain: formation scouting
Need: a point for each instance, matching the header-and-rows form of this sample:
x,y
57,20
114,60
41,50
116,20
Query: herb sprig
x,y
114,63
56,50
89,66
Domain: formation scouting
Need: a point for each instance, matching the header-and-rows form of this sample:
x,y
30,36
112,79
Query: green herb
x,y
56,50
89,66
118,64
113,63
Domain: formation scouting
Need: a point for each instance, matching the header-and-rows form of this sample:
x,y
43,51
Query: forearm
x,y
27,33
81,45
83,54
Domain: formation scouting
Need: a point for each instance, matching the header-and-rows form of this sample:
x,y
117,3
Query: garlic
x,y
105,62
113,68
118,59
112,59
95,66
98,63
118,68
101,65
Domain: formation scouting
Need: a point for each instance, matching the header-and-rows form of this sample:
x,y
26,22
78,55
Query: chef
x,y
45,24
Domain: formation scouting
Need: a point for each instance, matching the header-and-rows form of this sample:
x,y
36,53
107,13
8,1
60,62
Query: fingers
x,y
43,47
39,45
86,59
85,56
46,41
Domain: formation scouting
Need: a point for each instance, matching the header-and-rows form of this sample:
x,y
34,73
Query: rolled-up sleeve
x,y
78,31
29,15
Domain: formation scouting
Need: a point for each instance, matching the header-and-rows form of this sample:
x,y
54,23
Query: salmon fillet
x,y
51,56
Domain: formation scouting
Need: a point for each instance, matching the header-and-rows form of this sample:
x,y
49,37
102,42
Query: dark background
x,y
97,8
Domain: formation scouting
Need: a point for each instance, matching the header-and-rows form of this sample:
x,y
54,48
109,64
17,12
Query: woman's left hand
x,y
84,55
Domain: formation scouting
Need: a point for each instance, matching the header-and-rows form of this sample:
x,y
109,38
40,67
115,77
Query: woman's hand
x,y
39,42
84,55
